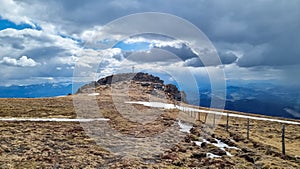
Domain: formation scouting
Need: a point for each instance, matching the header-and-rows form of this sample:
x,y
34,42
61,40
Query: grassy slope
x,y
48,144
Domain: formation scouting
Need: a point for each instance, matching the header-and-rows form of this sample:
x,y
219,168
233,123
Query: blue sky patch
x,y
132,46
70,37
4,24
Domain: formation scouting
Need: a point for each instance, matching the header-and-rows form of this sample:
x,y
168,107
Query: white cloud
x,y
157,42
13,11
23,61
237,24
33,39
175,44
69,60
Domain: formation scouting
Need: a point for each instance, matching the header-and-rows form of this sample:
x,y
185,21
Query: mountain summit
x,y
146,83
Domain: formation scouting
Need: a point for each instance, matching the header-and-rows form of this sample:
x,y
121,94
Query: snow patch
x,y
184,127
222,145
211,155
52,119
155,104
219,144
182,108
93,94
60,96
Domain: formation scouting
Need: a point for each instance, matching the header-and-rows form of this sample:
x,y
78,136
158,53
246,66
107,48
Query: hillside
x,y
134,135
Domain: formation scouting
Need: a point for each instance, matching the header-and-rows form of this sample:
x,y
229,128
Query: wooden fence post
x,y
248,127
282,137
199,116
214,122
227,119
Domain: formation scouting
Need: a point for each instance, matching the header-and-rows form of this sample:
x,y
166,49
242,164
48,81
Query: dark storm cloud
x,y
18,46
251,33
227,58
253,22
224,58
281,51
44,53
152,56
185,54
16,43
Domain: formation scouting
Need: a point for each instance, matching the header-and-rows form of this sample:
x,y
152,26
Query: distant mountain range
x,y
268,100
262,98
36,90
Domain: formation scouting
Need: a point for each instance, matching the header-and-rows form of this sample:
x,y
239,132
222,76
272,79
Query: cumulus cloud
x,y
158,41
6,7
247,35
43,48
22,61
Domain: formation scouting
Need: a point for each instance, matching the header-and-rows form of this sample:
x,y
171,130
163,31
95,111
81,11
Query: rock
x,y
178,163
196,131
194,163
198,155
148,81
269,150
194,137
179,148
250,157
212,140
218,152
6,148
236,137
228,142
140,77
188,139
182,149
246,150
171,156
203,144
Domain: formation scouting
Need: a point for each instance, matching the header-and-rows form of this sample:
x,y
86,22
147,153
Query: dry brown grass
x,y
67,145
43,107
264,140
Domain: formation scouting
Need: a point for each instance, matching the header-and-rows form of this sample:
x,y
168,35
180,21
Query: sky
x,y
47,41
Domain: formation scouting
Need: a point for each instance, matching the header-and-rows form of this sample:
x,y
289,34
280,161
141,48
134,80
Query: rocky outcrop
x,y
143,79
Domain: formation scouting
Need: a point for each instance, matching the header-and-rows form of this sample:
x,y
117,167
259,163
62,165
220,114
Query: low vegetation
x,y
70,145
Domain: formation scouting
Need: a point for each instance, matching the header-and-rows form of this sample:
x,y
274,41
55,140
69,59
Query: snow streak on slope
x,y
188,109
184,127
52,119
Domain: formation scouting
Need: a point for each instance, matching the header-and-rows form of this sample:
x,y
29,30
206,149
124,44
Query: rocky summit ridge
x,y
147,81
